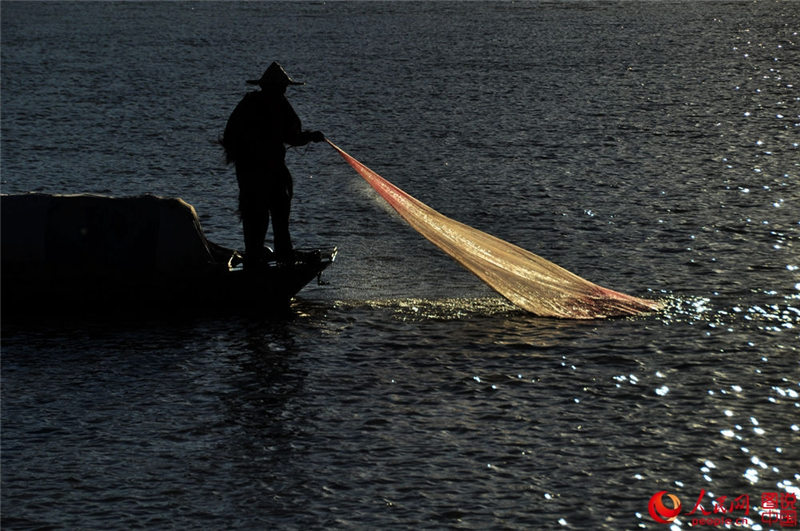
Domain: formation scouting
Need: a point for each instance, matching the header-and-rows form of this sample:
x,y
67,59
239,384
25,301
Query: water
x,y
649,147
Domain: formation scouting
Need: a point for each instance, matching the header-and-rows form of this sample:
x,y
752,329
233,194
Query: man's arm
x,y
294,133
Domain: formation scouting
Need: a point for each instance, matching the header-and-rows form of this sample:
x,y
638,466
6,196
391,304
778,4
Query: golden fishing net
x,y
527,280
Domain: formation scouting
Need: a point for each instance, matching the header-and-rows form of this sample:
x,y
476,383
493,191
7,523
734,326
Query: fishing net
x,y
527,280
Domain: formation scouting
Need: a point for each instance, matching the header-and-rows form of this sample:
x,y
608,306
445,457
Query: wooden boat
x,y
136,254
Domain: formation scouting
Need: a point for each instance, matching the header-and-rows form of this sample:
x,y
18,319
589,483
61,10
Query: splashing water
x,y
527,280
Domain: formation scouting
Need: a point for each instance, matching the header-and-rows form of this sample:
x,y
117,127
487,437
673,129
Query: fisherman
x,y
254,139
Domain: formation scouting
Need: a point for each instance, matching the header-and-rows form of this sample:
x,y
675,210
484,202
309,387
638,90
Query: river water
x,y
648,147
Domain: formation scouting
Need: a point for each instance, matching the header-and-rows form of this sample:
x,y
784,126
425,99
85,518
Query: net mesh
x,y
527,280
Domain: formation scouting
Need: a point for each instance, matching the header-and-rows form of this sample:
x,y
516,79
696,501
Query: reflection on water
x,y
440,309
716,314
771,315
401,410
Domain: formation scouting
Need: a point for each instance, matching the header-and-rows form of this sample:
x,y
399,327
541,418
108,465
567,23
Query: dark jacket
x,y
259,127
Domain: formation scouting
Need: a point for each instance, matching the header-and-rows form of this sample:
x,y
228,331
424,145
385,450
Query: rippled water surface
x,y
648,147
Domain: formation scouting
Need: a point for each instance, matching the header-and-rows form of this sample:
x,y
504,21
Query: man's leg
x,y
254,224
280,210
254,211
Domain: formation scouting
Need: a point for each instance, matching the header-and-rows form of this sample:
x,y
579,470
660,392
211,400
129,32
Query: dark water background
x,y
651,147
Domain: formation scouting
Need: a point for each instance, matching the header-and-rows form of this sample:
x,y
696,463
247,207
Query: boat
x,y
101,254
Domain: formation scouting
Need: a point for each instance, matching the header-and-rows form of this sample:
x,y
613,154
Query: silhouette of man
x,y
254,140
